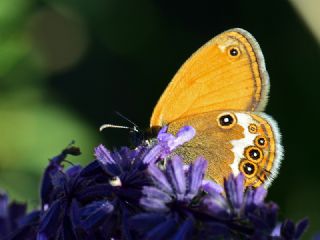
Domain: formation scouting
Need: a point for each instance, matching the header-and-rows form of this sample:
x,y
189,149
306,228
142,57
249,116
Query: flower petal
x,y
51,220
234,187
259,196
153,155
176,176
4,202
301,227
184,135
159,178
216,206
95,213
154,205
103,155
170,142
196,175
212,187
152,192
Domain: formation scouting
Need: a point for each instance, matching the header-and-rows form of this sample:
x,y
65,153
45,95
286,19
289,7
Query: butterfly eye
x,y
226,120
248,168
254,154
253,128
261,141
233,52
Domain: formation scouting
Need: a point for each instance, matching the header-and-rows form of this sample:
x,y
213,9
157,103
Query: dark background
x,y
67,65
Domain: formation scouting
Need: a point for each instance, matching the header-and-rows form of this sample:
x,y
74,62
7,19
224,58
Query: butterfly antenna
x,y
135,127
117,126
127,119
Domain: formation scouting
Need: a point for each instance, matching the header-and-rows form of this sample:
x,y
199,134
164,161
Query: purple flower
x,y
124,170
144,193
170,203
180,203
168,142
122,174
55,217
244,214
173,184
55,165
9,215
289,230
239,212
14,223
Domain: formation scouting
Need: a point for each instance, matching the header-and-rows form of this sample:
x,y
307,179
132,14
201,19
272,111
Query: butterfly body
x,y
220,91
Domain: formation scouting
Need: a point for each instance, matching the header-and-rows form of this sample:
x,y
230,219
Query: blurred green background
x,y
67,65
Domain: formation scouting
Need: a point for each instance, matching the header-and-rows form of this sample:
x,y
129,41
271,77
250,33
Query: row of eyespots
x,y
253,154
249,168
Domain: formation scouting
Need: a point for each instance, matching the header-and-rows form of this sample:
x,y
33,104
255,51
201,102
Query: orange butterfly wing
x,y
227,73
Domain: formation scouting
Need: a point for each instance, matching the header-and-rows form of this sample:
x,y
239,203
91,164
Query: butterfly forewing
x,y
226,73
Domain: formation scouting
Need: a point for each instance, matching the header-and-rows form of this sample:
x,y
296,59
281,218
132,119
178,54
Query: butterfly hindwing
x,y
249,144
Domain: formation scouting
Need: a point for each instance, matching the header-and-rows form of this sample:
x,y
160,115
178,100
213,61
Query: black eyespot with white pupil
x,y
248,168
234,52
226,120
261,141
254,154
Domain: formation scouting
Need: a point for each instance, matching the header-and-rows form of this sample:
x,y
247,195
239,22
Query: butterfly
x,y
222,91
